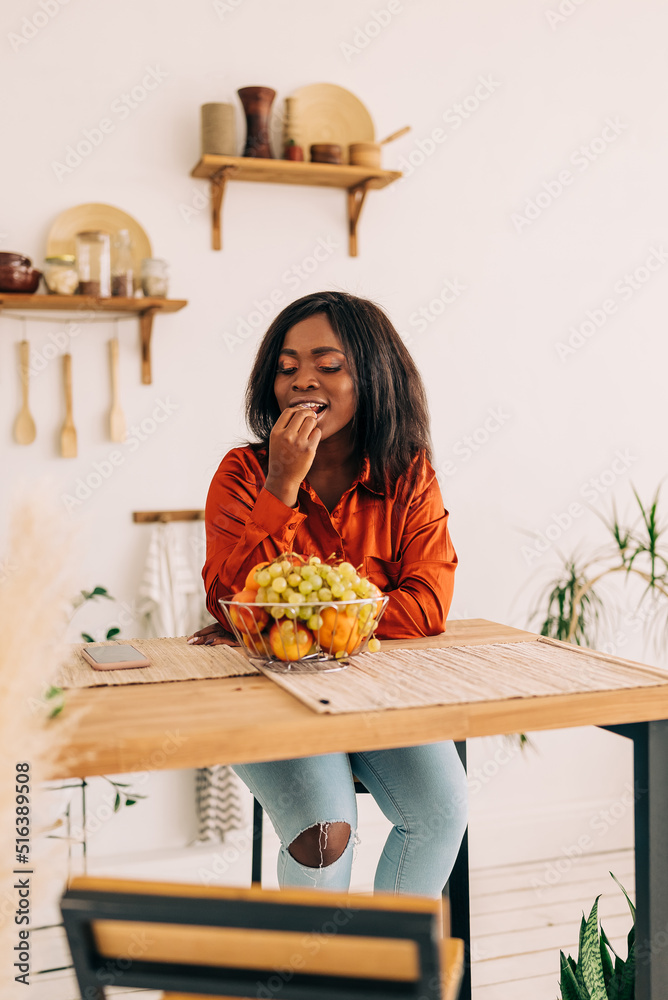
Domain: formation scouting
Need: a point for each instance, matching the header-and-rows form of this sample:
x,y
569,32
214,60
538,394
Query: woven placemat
x,y
415,678
170,659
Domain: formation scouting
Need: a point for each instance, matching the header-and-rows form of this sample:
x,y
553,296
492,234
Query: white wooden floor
x,y
522,915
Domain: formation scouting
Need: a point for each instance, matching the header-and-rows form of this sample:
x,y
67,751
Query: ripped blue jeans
x,y
422,790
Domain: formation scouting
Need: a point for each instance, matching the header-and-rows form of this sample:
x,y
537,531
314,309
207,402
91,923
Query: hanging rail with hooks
x,y
163,516
145,308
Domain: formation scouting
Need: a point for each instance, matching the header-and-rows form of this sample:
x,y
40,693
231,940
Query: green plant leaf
x,y
604,937
592,969
579,977
117,803
56,711
112,632
606,961
568,984
627,984
631,906
86,637
101,592
130,802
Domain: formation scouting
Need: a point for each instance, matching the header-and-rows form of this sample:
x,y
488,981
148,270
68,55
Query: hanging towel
x,y
219,805
172,600
168,586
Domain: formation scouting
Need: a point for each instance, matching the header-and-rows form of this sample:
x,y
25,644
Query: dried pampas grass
x,y
36,587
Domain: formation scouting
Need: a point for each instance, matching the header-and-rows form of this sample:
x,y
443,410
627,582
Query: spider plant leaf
x,y
117,803
592,968
112,632
631,906
86,637
568,984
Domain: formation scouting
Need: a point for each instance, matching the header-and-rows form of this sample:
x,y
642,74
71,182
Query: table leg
x,y
256,860
650,741
460,900
650,766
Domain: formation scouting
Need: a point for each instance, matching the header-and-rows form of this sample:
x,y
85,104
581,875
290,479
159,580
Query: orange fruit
x,y
247,619
289,641
338,632
255,641
251,583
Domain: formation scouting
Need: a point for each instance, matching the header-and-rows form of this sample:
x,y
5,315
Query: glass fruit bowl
x,y
308,637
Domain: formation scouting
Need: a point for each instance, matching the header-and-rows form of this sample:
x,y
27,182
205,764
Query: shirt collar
x,y
364,478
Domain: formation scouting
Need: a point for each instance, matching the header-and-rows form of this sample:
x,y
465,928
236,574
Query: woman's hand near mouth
x,y
293,443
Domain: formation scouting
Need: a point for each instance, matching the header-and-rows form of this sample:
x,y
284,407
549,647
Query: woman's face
x,y
312,367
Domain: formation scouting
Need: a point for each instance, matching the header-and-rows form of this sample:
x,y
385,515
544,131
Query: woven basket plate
x,y
325,112
96,216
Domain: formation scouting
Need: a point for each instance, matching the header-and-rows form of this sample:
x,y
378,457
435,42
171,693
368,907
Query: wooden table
x,y
188,724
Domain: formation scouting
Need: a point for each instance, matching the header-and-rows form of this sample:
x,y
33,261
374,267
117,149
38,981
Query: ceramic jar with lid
x,y
60,274
154,277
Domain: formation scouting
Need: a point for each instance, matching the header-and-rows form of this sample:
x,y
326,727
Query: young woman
x,y
342,465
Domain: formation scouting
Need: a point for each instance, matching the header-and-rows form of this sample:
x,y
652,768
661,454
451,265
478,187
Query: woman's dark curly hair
x,y
391,423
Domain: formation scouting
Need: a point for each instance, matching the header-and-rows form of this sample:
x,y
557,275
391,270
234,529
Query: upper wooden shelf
x,y
355,180
145,308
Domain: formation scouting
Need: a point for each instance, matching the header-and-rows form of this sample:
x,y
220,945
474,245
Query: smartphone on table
x,y
114,657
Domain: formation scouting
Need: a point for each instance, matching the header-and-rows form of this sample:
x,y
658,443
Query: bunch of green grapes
x,y
294,585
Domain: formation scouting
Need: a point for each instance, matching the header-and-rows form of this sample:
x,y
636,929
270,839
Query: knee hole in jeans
x,y
321,845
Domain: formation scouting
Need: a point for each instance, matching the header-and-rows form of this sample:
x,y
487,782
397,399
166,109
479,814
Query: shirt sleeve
x,y
419,604
245,525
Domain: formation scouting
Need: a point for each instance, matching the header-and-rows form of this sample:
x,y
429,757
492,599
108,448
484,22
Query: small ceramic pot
x,y
326,152
365,154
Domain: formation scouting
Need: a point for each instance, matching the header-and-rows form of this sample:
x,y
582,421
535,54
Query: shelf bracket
x,y
217,191
145,331
356,196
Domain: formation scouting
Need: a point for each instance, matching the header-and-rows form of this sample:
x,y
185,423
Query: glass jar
x,y
123,266
60,274
154,277
94,263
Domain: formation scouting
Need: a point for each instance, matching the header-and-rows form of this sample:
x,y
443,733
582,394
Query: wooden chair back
x,y
291,944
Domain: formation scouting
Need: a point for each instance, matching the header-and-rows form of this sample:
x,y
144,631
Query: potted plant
x,y
599,973
571,606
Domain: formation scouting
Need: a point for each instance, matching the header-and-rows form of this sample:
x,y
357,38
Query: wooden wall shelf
x,y
145,308
355,180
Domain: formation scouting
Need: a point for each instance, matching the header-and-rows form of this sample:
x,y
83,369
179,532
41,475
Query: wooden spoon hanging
x,y
68,435
117,426
395,135
24,426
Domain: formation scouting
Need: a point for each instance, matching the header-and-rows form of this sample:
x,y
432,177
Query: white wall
x,y
546,87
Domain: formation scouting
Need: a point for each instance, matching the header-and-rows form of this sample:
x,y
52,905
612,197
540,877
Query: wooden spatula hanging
x,y
24,426
68,435
117,427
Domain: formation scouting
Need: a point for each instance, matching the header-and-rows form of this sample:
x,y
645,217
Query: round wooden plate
x,y
325,112
108,219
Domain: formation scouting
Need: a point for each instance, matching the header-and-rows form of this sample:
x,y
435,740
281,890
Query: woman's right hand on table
x,y
293,442
212,635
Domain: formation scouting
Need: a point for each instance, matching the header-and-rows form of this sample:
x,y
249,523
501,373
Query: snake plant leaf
x,y
568,984
579,977
605,938
631,906
627,981
592,968
606,961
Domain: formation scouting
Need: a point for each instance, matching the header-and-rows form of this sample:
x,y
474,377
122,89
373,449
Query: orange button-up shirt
x,y
400,540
